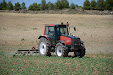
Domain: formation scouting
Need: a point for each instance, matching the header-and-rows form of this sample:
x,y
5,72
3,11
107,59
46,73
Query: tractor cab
x,y
55,31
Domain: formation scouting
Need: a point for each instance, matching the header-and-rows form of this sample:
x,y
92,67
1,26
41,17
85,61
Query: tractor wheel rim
x,y
43,48
59,51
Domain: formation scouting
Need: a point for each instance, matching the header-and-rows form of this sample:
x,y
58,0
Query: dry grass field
x,y
20,31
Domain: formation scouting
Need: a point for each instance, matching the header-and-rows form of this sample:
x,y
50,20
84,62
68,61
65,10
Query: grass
x,y
43,65
22,39
35,28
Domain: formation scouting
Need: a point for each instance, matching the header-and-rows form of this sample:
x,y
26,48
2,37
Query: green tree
x,y
100,4
109,4
59,4
62,4
66,4
72,6
23,6
47,6
30,7
0,6
39,6
33,7
17,6
86,5
93,4
4,5
10,6
112,4
51,5
76,5
43,5
55,5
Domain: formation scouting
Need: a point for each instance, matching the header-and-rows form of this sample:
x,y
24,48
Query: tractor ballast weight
x,y
56,38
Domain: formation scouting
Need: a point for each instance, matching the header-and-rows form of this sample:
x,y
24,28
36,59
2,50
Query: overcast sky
x,y
29,2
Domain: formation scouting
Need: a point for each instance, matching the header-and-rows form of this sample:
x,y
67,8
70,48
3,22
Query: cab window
x,y
46,30
49,30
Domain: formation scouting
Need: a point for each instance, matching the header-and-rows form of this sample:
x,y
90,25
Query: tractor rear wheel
x,y
44,47
60,50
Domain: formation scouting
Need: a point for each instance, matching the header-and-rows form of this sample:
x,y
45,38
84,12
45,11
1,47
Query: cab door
x,y
50,31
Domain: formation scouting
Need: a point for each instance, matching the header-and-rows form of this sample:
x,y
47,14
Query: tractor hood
x,y
73,37
70,40
74,40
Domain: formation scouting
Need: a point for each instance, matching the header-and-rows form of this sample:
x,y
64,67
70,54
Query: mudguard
x,y
44,36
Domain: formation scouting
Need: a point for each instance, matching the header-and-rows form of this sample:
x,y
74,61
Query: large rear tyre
x,y
60,50
44,47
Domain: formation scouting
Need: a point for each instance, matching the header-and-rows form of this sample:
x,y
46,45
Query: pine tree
x,y
66,4
109,4
23,6
39,6
47,6
93,4
0,6
59,4
86,5
72,6
4,5
100,4
76,5
17,6
51,6
34,7
43,4
10,6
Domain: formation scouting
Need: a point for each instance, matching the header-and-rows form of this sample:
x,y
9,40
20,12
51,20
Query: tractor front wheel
x,y
80,52
60,50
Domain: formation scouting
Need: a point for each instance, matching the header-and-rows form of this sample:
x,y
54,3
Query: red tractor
x,y
56,39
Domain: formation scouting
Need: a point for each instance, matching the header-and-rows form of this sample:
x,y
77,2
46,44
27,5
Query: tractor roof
x,y
53,24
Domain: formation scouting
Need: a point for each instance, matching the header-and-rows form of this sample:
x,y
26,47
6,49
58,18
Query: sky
x,y
29,2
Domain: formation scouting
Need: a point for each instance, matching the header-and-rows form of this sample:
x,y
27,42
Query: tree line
x,y
99,5
60,4
9,6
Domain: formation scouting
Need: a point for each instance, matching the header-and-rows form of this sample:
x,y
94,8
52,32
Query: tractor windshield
x,y
62,30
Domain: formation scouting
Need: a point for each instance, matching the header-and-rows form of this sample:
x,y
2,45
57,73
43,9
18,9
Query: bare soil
x,y
20,31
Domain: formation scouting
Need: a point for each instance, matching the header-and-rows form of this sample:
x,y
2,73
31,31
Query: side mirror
x,y
74,29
